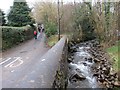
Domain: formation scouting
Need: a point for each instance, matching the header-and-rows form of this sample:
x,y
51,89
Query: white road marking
x,y
5,61
43,60
12,71
32,81
13,61
21,62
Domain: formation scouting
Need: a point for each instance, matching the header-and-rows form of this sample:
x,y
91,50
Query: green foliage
x,y
2,18
46,13
52,40
82,18
114,53
50,29
19,14
14,35
87,29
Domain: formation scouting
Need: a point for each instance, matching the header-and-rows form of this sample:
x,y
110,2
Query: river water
x,y
82,63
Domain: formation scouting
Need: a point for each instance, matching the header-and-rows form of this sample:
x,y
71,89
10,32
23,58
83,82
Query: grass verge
x,y
52,40
114,52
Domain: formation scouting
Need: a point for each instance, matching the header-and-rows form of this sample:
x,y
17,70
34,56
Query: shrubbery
x,y
50,29
14,35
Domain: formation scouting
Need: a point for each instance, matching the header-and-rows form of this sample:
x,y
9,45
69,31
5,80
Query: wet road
x,y
20,64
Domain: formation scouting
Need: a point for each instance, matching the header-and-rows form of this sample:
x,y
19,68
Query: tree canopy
x,y
83,20
2,18
19,14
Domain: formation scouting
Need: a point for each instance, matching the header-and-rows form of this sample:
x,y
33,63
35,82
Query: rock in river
x,y
77,75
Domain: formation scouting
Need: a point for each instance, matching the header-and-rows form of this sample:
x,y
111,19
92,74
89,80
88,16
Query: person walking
x,y
39,28
35,34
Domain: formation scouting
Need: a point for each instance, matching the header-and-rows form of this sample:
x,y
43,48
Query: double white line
x,y
17,58
5,61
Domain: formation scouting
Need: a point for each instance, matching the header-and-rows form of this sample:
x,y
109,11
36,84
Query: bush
x,y
14,35
50,29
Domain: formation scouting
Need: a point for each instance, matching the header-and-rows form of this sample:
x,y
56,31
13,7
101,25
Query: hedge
x,y
12,36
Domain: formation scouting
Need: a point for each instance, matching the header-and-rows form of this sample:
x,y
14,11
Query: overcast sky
x,y
5,4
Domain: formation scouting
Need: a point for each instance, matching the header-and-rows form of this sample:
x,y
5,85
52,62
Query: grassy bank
x,y
114,52
52,40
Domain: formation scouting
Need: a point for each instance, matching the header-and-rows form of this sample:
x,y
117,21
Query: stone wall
x,y
60,81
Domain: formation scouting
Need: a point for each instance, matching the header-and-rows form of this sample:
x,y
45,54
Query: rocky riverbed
x,y
89,66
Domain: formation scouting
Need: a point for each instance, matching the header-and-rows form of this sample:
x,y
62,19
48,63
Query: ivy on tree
x,y
19,14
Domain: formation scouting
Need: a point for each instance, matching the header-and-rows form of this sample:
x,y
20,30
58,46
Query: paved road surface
x,y
20,62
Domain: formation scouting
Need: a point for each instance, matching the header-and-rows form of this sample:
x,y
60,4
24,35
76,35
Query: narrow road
x,y
20,62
